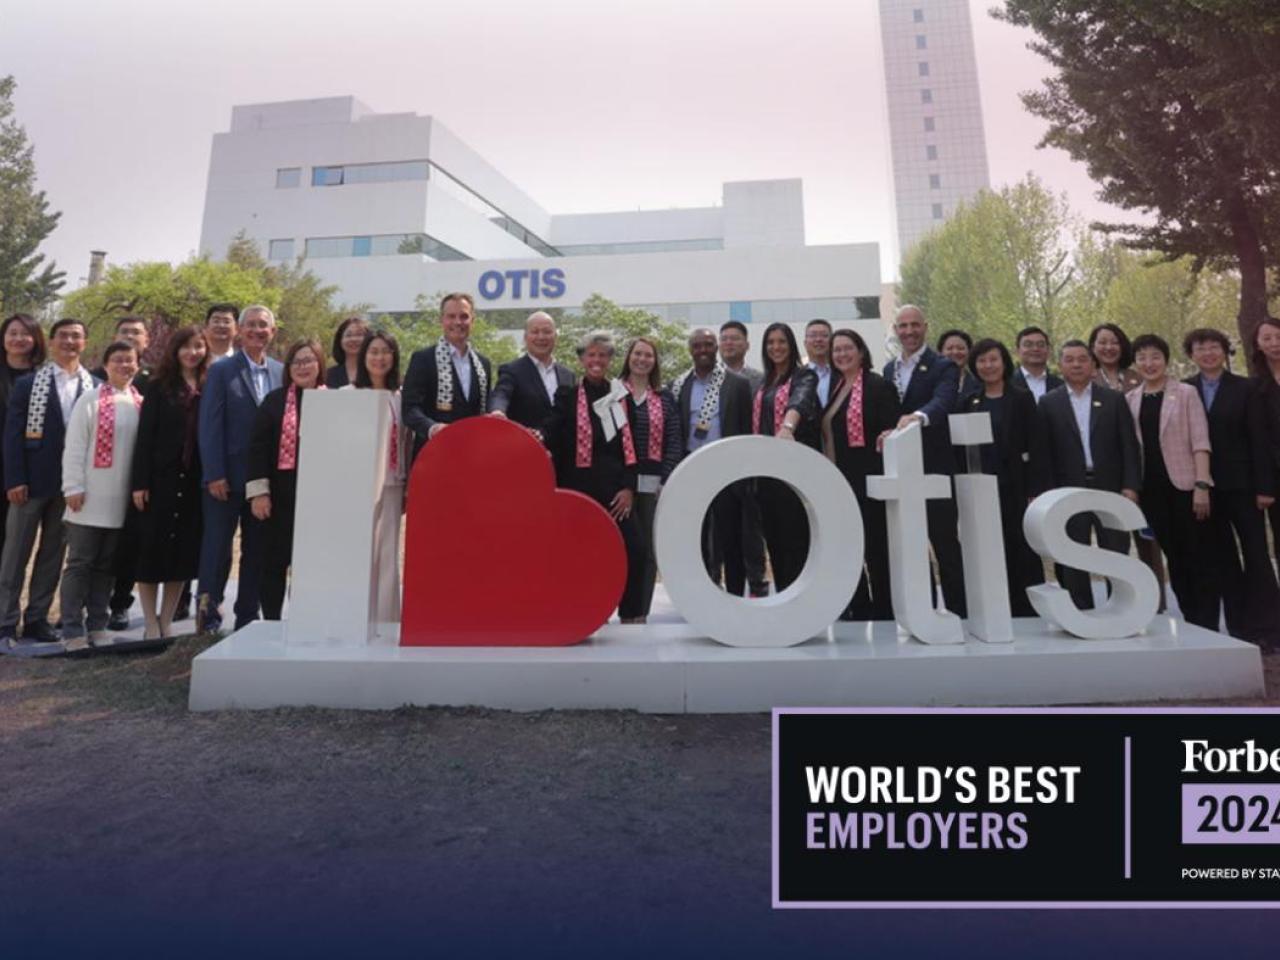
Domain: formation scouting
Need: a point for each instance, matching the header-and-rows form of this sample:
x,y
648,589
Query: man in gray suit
x,y
1085,438
715,403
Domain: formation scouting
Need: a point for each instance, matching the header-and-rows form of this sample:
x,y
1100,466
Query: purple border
x,y
1001,904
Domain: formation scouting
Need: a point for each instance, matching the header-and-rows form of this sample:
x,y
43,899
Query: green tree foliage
x,y
170,296
1172,106
625,323
26,281
414,331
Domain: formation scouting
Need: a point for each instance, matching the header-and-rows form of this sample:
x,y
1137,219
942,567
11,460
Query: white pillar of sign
x,y
342,464
830,575
1135,594
905,487
986,585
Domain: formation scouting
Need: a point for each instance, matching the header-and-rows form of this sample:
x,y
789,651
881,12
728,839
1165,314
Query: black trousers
x,y
732,541
873,599
1077,582
635,598
1183,538
944,537
1247,594
126,563
1023,566
277,558
786,530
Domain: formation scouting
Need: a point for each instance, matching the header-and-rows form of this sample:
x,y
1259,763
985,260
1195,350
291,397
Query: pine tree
x,y
26,281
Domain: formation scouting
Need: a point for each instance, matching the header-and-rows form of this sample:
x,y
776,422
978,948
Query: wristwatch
x,y
1203,485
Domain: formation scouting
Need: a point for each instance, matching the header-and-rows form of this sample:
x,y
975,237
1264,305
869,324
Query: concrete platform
x,y
667,668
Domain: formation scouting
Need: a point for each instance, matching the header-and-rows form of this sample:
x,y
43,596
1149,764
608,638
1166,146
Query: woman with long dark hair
x,y
1008,458
656,429
379,369
862,405
786,407
1266,408
24,350
348,340
272,484
166,478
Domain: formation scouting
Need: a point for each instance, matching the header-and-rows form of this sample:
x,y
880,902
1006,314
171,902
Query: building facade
x,y
935,112
392,206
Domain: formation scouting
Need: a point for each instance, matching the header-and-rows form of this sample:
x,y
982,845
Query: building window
x,y
926,95
866,308
931,152
917,15
383,245
288,177
740,310
921,43
923,67
937,211
280,249
360,246
326,176
928,125
935,181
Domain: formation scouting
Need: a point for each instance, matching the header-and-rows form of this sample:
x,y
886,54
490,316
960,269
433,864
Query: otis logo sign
x,y
538,284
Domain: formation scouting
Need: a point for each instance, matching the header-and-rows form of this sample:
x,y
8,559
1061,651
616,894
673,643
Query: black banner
x,y
1025,807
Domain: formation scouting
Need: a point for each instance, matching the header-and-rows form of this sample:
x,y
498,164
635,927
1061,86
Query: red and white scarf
x,y
780,399
105,445
657,424
853,425
287,459
585,440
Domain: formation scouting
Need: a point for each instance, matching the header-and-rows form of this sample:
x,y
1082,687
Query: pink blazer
x,y
1184,429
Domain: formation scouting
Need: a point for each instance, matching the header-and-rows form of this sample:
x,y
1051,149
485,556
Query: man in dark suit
x,y
232,394
1085,437
1249,595
1032,346
448,381
34,432
527,386
714,403
927,383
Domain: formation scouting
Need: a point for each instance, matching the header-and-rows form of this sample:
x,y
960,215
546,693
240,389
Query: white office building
x,y
392,206
935,112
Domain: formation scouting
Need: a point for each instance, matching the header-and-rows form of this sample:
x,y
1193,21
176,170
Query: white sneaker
x,y
99,638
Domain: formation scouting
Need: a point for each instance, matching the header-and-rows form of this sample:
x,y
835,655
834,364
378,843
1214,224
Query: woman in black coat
x,y
1266,411
786,407
599,464
347,341
24,350
1008,459
166,479
862,405
273,467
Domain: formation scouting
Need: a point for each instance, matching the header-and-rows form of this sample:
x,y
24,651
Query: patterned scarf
x,y
657,425
853,415
444,376
780,399
105,445
287,458
710,408
606,404
395,440
38,408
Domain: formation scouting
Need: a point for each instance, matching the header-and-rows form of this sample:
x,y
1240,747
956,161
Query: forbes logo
x,y
523,283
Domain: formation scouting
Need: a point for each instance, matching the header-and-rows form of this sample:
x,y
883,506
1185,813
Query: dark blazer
x,y
418,395
264,451
880,412
609,471
519,392
672,435
35,464
1014,442
803,399
1057,455
1235,433
228,407
1051,381
735,407
1266,413
335,378
932,390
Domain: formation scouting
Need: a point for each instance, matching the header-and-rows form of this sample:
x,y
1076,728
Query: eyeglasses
x,y
303,362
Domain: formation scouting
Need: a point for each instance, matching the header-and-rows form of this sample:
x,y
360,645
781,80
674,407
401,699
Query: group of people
x,y
145,476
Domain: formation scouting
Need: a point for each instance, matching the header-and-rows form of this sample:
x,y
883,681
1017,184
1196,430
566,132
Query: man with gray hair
x,y
232,394
527,386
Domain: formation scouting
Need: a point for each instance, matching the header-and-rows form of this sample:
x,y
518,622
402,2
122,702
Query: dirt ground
x,y
127,817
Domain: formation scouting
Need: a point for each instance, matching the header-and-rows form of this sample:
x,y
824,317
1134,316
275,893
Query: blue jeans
x,y
220,520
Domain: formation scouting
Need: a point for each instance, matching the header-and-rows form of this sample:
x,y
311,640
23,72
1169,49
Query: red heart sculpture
x,y
495,555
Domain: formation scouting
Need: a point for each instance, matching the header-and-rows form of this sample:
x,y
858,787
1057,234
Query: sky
x,y
587,105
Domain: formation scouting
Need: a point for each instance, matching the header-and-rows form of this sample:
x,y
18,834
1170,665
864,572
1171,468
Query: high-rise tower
x,y
935,113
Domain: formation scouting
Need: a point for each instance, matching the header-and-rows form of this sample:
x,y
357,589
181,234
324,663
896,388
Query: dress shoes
x,y
40,632
118,621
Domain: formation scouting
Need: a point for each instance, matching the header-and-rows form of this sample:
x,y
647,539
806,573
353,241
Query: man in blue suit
x,y
34,431
927,383
232,393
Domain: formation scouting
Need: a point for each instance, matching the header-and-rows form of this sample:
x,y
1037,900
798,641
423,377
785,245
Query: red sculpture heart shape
x,y
495,555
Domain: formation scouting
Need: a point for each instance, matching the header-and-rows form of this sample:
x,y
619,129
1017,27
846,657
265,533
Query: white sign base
x,y
669,668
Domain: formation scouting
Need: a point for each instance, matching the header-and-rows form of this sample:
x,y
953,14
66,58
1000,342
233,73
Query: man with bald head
x,y
715,402
527,386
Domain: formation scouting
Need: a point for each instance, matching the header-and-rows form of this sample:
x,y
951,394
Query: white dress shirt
x,y
1082,407
68,386
902,372
462,365
1035,383
547,371
260,376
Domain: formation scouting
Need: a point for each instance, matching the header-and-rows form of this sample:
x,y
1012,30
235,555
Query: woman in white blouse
x,y
96,465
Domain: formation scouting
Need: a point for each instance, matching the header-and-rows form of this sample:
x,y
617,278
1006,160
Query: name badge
x,y
445,407
701,430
